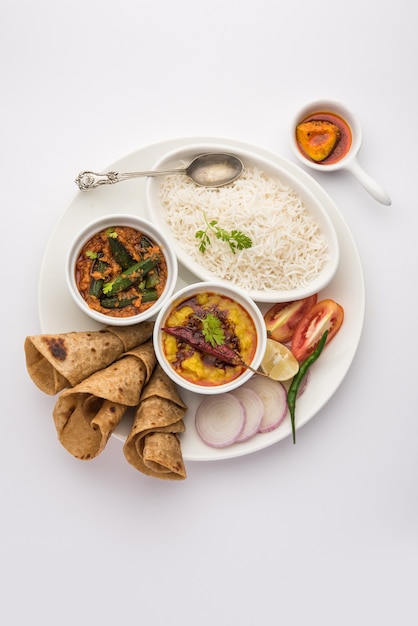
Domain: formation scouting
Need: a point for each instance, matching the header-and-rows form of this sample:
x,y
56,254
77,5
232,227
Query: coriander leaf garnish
x,y
91,255
236,239
212,329
107,287
205,240
110,232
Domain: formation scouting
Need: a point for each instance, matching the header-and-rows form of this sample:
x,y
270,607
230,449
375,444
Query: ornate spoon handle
x,y
90,180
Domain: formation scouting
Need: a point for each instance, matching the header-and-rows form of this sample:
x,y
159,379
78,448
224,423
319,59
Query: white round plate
x,y
58,312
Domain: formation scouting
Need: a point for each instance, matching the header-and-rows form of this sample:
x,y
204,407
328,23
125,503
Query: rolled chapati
x,y
55,362
152,445
86,415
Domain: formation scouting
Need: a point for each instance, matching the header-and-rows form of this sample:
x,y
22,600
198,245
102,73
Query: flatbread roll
x,y
55,362
86,415
152,445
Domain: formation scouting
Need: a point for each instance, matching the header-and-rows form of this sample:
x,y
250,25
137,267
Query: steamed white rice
x,y
288,249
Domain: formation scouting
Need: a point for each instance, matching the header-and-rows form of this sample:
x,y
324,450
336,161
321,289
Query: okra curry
x,y
120,272
209,339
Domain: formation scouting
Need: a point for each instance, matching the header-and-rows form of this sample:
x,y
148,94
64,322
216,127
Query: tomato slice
x,y
282,319
324,315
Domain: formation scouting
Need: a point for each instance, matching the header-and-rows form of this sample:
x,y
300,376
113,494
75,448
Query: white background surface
x,y
324,532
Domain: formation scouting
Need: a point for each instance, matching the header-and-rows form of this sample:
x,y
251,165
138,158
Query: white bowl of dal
x,y
194,369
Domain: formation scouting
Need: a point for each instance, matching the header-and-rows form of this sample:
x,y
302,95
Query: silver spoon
x,y
206,170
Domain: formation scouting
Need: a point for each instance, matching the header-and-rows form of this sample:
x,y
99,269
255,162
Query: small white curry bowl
x,y
147,229
252,341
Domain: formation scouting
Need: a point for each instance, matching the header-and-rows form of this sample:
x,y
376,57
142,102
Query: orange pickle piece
x,y
318,138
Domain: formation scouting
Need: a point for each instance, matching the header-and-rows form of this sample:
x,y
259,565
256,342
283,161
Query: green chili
x,y
294,387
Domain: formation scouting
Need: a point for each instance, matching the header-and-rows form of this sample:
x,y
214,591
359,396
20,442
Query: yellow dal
x,y
198,369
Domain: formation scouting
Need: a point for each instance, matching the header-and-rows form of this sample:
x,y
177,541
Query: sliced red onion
x,y
253,409
220,420
274,397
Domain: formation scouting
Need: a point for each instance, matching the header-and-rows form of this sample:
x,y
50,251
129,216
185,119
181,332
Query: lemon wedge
x,y
278,361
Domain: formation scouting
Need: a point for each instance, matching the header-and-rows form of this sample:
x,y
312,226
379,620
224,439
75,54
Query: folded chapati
x,y
152,445
86,415
55,362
